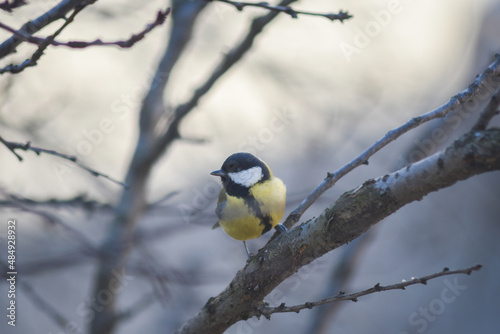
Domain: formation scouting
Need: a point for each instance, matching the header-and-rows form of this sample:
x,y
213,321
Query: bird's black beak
x,y
218,173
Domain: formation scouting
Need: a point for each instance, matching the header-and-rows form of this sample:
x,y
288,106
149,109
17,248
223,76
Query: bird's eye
x,y
234,167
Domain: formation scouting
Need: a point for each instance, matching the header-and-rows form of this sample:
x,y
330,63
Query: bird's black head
x,y
241,171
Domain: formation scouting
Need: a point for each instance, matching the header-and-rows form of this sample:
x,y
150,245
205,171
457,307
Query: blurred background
x,y
309,97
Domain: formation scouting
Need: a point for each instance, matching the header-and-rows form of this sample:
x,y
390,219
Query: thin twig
x,y
239,5
13,146
490,111
266,311
490,73
342,273
160,19
55,13
41,48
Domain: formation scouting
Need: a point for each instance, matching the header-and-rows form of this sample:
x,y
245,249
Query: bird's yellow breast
x,y
240,221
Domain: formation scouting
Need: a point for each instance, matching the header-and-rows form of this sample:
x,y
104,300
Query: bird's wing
x,y
221,203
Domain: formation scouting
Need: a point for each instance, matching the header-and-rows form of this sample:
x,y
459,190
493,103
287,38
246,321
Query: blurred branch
x,y
239,5
43,306
76,235
163,199
9,6
132,203
346,219
53,264
488,113
266,311
140,306
153,108
80,201
160,19
151,269
231,58
489,79
13,146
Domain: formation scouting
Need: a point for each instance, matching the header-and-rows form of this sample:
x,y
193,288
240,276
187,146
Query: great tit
x,y
251,201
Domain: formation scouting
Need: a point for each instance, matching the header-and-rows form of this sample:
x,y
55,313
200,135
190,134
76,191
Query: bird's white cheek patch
x,y
247,177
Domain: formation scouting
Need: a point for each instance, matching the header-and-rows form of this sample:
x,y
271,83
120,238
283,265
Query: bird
x,y
252,200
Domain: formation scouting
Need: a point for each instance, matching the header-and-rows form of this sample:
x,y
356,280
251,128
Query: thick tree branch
x,y
13,146
266,311
239,5
346,219
489,80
